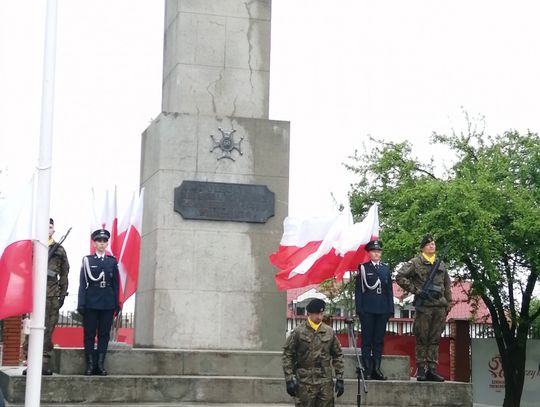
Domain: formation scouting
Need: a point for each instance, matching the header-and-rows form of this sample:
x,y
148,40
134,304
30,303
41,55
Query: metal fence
x,y
404,326
74,319
486,331
395,326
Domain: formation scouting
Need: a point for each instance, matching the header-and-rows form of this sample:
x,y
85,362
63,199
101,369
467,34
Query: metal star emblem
x,y
226,144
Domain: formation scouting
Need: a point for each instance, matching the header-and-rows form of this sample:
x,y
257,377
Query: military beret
x,y
315,306
425,240
101,234
374,245
51,221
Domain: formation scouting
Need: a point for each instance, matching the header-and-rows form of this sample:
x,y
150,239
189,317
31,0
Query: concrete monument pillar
x,y
215,172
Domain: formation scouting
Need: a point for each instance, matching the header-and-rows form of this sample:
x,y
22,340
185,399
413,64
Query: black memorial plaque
x,y
223,201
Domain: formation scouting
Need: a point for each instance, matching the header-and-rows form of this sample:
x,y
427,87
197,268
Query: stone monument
x,y
215,171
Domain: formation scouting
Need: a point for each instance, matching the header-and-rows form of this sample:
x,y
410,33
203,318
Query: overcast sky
x,y
340,70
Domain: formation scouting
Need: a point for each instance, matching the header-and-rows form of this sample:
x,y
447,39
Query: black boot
x,y
101,365
45,368
433,376
368,367
377,374
89,364
421,372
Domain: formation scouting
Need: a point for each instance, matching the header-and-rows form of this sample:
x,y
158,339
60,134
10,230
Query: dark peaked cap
x,y
315,306
374,245
101,234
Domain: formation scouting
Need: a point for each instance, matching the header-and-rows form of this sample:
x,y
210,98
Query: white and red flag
x,y
128,261
16,237
106,218
315,249
125,241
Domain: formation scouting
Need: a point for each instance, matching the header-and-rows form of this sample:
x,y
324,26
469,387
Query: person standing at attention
x,y
98,301
431,309
374,299
311,355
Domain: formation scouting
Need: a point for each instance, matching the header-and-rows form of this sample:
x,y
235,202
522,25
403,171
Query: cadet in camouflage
x,y
430,318
57,286
311,356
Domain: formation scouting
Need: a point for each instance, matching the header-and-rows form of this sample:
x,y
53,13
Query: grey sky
x,y
340,70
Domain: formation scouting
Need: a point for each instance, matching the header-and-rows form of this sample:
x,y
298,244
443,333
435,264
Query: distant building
x,y
465,307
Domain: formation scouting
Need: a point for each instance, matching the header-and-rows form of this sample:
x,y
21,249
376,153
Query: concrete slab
x,y
205,363
65,390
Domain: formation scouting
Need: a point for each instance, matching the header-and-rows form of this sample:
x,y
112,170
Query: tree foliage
x,y
485,207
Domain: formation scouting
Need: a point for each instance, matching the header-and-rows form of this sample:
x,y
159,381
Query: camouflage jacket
x,y
412,275
310,355
57,273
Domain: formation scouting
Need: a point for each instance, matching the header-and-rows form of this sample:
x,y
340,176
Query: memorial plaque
x,y
223,201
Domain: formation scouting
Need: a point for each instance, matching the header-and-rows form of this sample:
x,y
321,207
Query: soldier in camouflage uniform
x,y
57,285
309,354
430,318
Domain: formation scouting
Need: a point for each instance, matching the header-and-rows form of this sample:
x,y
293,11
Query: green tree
x,y
486,207
535,325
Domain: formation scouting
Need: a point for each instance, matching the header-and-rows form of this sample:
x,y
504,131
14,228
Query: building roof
x,y
465,306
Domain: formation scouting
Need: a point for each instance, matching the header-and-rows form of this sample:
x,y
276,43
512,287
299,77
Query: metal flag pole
x,y
37,319
361,380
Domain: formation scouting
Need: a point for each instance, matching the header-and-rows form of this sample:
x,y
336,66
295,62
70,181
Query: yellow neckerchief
x,y
51,241
431,258
313,324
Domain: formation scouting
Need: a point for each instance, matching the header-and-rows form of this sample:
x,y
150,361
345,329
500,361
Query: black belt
x,y
100,284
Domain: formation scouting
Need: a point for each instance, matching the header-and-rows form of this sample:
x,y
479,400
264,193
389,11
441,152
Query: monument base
x,y
178,377
206,283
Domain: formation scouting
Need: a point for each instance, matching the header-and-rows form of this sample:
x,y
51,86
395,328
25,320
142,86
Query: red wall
x,y
72,337
405,345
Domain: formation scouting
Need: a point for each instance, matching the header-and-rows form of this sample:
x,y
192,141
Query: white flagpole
x,y
37,319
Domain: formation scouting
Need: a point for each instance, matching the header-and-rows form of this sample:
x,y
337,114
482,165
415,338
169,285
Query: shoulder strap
x,y
365,283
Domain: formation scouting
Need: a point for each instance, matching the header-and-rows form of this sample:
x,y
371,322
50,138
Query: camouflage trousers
x,y
315,395
52,308
428,326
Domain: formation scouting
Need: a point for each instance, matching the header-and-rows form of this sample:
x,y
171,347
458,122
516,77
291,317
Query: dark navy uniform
x,y
98,302
374,305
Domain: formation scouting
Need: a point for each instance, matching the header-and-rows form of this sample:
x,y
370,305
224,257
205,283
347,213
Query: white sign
x,y
488,375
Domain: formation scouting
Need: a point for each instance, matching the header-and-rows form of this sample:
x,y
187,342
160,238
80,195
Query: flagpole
x,y
37,319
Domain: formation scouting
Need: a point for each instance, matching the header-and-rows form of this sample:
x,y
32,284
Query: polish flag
x,y
106,218
316,249
111,224
123,227
128,262
16,253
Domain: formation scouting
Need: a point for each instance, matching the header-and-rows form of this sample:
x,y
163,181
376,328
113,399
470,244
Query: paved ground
x,y
190,405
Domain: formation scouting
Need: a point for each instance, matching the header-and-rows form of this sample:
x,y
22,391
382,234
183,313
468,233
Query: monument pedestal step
x,y
186,377
140,361
95,390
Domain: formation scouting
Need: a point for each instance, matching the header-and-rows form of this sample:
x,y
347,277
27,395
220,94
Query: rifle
x,y
55,246
430,290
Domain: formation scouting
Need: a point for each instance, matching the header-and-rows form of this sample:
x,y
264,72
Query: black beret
x,y
101,234
425,240
51,221
315,306
374,245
